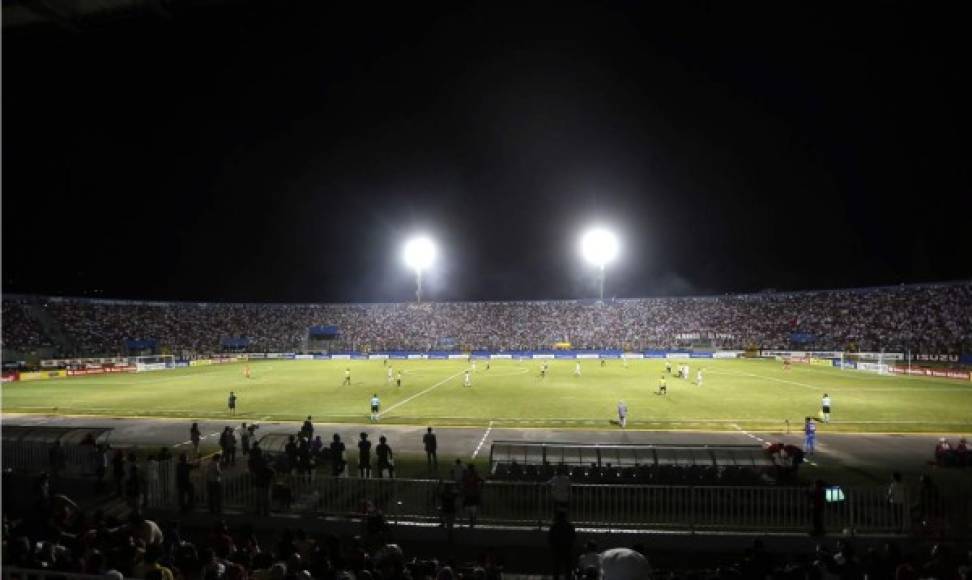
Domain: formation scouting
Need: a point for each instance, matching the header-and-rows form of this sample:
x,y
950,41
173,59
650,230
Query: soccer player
x,y
809,435
698,378
662,386
577,369
467,379
825,408
603,363
487,364
398,379
786,364
246,371
231,403
622,414
389,374
375,405
543,370
624,361
668,367
347,377
474,366
686,373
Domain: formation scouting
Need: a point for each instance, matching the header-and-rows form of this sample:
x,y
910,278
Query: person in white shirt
x,y
467,379
347,376
622,414
577,369
389,374
698,378
375,405
825,408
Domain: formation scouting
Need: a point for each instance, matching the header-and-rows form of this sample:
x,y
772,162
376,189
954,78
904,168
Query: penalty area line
x,y
419,394
483,440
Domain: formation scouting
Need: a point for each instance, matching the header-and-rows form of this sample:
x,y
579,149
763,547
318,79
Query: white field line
x,y
764,377
420,393
483,440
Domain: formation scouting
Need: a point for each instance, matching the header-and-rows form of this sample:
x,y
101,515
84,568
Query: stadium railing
x,y
739,508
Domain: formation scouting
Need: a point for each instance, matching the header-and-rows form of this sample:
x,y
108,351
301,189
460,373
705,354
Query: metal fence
x,y
759,508
35,456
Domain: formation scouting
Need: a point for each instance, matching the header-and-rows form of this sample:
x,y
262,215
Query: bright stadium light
x,y
599,247
419,254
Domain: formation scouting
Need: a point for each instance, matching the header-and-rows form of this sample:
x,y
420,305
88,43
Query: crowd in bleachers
x,y
53,534
930,319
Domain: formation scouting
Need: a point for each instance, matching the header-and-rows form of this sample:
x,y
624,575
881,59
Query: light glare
x,y
599,246
419,253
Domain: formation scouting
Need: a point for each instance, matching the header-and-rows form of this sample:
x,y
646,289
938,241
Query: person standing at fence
x,y
817,502
561,537
152,491
118,472
560,490
447,505
622,414
231,403
244,440
386,459
897,499
336,450
825,408
184,486
458,473
102,459
195,437
263,483
430,444
56,460
472,489
364,456
214,485
134,482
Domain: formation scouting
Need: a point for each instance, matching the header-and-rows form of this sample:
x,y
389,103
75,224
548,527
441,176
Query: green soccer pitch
x,y
743,394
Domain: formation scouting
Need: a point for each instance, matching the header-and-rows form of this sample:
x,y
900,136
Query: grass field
x,y
746,394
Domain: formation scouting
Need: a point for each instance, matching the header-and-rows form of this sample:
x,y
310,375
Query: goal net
x,y
154,362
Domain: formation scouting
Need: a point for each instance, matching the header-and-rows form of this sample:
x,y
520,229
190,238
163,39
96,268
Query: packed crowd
x,y
53,534
930,319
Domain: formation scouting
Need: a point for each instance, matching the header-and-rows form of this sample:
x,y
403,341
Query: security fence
x,y
743,508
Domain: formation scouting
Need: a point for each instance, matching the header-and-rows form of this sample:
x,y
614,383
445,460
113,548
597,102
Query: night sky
x,y
262,151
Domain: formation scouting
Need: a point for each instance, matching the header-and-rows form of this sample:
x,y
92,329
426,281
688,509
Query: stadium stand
x,y
922,318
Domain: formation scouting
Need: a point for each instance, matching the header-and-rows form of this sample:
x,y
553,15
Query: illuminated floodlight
x,y
599,247
419,254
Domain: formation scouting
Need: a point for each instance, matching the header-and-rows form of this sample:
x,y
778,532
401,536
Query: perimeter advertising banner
x,y
42,375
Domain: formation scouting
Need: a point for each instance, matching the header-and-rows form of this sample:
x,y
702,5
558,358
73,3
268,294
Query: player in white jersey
x,y
389,373
577,369
624,361
687,375
698,378
473,366
622,414
347,376
825,408
467,379
375,405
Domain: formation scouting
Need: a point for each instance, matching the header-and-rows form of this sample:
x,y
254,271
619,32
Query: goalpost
x,y
153,362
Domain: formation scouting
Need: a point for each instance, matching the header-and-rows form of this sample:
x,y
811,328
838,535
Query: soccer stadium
x,y
579,290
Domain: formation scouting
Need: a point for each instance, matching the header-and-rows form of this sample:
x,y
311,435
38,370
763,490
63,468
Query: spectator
x,y
184,487
561,538
364,456
431,445
337,450
897,500
472,488
214,485
195,436
386,459
458,472
560,490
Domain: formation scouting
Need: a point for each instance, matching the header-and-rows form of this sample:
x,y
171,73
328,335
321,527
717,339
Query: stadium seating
x,y
922,318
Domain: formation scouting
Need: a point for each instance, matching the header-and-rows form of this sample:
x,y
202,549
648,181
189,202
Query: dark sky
x,y
260,151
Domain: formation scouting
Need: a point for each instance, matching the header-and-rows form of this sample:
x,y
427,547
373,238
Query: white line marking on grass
x,y
483,440
419,394
764,377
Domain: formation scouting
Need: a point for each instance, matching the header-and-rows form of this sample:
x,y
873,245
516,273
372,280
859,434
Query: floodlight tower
x,y
599,247
419,253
